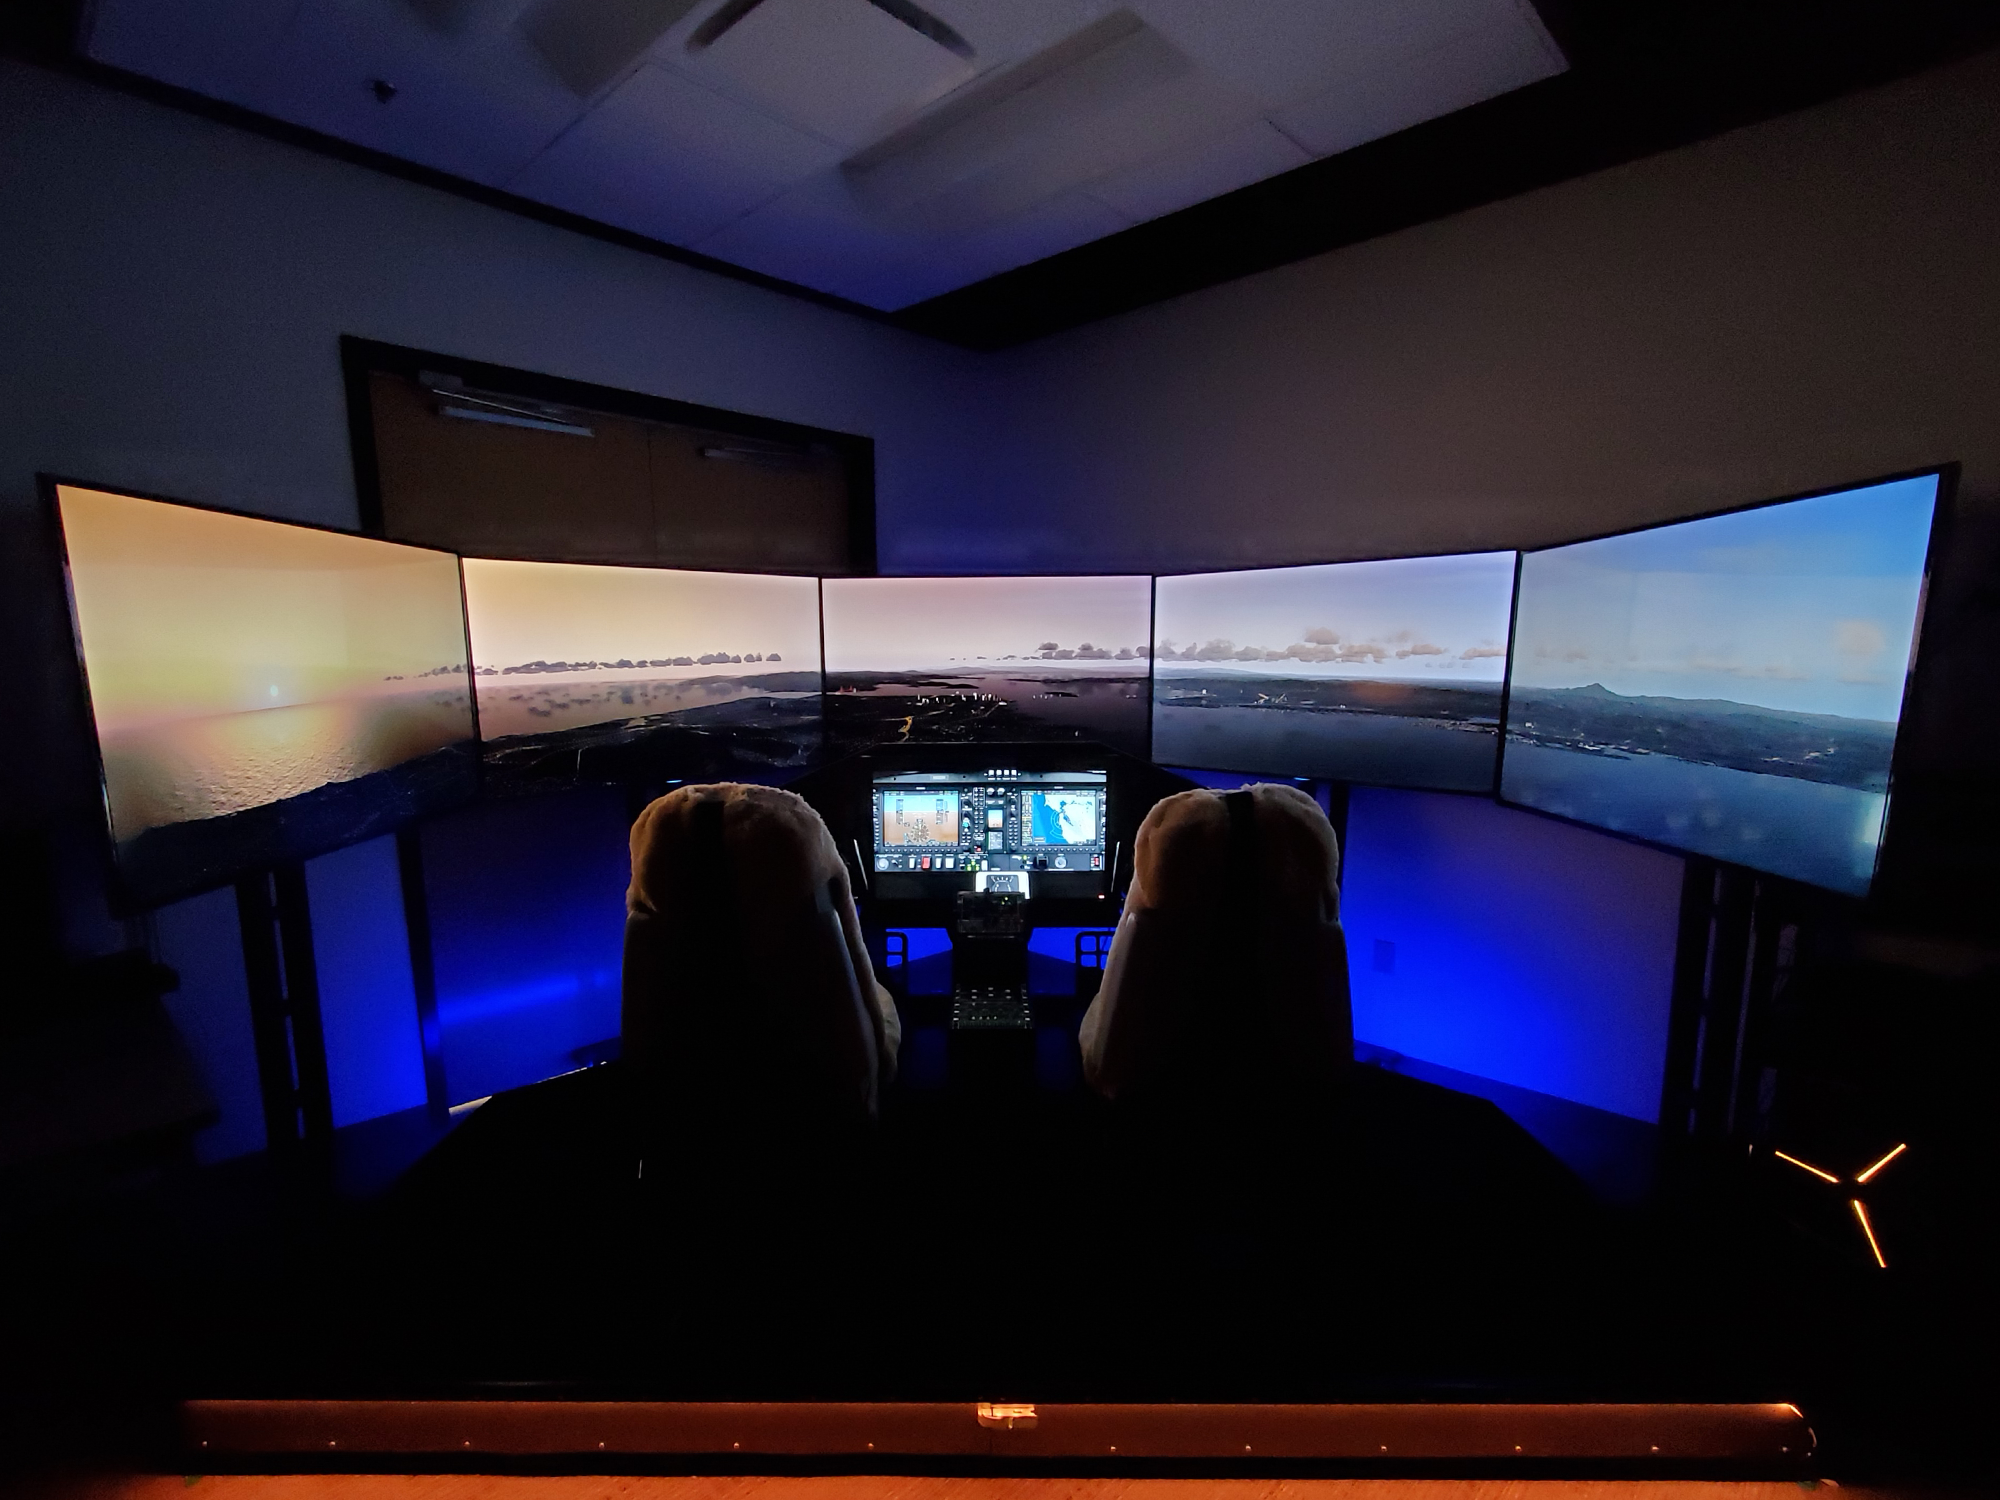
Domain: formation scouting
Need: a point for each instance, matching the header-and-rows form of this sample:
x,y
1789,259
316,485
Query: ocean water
x,y
188,769
1373,749
548,702
1805,830
971,706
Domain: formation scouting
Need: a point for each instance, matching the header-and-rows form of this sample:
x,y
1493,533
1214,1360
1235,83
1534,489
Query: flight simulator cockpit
x,y
991,829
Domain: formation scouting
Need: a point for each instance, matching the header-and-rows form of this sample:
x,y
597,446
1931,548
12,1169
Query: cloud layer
x,y
1322,646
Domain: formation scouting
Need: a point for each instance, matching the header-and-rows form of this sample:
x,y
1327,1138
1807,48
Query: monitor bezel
x,y
1936,543
921,899
123,898
942,884
1492,788
465,599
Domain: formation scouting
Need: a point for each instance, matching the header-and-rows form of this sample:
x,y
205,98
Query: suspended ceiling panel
x,y
884,151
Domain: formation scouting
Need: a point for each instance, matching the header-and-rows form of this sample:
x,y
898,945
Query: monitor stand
x,y
276,919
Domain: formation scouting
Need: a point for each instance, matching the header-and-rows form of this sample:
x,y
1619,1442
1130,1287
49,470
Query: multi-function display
x,y
997,820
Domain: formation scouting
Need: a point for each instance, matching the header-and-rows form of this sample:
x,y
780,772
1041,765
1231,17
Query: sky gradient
x,y
959,624
1421,618
187,613
1809,606
567,612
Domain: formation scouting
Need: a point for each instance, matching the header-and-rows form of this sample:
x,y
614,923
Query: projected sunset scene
x,y
237,665
1386,672
591,671
987,659
1730,685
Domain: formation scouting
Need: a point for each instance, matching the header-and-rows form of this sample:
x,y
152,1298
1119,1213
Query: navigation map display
x,y
1065,816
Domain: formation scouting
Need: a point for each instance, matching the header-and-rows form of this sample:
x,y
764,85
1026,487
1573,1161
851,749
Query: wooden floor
x,y
879,1487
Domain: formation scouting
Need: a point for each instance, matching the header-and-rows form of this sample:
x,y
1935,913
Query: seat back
x,y
1227,980
748,990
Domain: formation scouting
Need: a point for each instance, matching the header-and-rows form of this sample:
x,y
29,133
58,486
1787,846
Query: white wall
x,y
1797,304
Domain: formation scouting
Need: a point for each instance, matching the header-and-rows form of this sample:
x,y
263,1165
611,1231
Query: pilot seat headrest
x,y
747,982
1228,973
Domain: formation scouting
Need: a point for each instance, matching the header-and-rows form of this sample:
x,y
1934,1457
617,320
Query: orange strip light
x,y
1861,1213
1822,1176
1883,1162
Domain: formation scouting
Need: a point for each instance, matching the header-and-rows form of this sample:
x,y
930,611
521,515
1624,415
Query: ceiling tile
x,y
815,235
828,144
840,68
473,102
1234,159
665,157
214,47
1407,92
1122,95
1002,34
589,44
1282,51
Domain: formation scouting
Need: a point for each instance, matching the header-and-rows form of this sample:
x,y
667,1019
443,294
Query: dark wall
x,y
1795,305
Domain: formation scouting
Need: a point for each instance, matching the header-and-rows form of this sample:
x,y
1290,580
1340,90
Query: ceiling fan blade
x,y
924,23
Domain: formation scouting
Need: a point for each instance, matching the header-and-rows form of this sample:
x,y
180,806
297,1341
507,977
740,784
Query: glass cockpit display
x,y
1066,816
919,820
983,822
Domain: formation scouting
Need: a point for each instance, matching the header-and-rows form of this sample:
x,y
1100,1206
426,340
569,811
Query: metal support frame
x,y
1742,935
423,969
276,919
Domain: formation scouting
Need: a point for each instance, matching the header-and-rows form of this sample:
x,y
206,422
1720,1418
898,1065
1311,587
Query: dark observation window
x,y
495,462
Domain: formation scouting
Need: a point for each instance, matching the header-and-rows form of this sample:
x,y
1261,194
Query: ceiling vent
x,y
845,70
907,12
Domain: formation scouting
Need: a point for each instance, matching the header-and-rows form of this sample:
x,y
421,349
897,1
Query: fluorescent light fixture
x,y
513,419
455,400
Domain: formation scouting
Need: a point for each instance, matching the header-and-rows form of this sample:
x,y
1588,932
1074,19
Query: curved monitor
x,y
666,670
262,692
1730,686
1385,672
987,660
